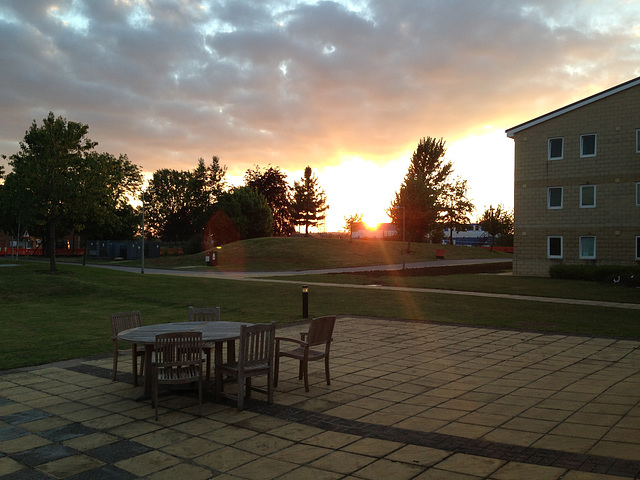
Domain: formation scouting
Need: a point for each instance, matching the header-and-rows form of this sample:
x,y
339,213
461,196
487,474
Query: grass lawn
x,y
297,253
49,317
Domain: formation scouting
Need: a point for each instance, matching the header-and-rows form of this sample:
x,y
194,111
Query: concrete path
x,y
408,400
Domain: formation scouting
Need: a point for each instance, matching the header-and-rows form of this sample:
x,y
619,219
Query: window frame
x,y
549,157
582,205
595,145
555,207
580,246
637,194
555,237
638,140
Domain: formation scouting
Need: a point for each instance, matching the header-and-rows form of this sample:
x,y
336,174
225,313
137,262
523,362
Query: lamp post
x,y
305,301
397,207
142,262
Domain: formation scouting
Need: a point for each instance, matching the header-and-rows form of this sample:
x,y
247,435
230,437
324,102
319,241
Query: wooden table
x,y
212,332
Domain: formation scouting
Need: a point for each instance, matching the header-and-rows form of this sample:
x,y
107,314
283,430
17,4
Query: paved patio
x,y
408,400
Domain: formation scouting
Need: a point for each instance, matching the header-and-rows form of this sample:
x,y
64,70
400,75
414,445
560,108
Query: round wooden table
x,y
212,332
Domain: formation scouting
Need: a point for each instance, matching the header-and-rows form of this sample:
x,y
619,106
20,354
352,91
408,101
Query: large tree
x,y
178,203
498,224
240,214
456,207
102,208
422,194
272,184
309,201
58,183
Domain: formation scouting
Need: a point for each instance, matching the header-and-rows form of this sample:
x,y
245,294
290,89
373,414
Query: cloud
x,y
295,83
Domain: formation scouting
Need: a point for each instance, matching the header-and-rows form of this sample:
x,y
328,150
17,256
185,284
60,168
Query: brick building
x,y
577,183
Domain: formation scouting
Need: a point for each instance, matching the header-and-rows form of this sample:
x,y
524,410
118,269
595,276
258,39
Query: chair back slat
x,y
321,330
256,344
177,353
124,321
207,314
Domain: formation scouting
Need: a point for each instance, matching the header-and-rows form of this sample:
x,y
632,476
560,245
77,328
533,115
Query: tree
x,y
178,203
350,221
309,201
272,184
422,191
497,223
47,174
101,208
456,207
240,214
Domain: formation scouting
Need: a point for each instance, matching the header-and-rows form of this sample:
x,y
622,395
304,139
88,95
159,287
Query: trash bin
x,y
211,259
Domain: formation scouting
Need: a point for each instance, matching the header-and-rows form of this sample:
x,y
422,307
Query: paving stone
x,y
118,451
24,417
67,432
44,454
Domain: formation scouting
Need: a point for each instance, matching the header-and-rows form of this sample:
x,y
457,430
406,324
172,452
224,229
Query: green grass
x,y
49,317
297,253
489,283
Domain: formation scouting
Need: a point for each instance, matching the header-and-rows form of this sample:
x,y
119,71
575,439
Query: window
x,y
587,196
554,247
638,194
556,147
637,248
638,141
587,247
554,197
588,145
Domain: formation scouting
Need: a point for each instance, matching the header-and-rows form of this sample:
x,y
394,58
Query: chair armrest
x,y
288,339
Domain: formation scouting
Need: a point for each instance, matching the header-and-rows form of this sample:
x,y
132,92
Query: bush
x,y
622,275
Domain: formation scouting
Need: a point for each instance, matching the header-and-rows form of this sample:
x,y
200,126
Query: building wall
x,y
615,170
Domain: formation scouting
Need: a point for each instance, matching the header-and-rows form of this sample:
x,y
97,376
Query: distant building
x,y
382,231
577,184
471,235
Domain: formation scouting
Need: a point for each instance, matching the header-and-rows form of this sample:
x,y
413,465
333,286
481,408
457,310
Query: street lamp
x,y
397,207
150,190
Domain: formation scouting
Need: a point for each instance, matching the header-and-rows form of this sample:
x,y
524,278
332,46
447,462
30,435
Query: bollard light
x,y
305,301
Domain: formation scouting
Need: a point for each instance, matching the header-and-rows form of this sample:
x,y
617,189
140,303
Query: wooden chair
x,y
211,314
319,334
176,359
255,357
124,321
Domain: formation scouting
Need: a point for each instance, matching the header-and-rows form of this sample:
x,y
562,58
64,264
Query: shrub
x,y
622,275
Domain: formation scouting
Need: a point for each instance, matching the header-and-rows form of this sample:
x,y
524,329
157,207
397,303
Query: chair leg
x,y
200,393
134,364
240,393
270,388
326,370
305,372
276,369
115,361
208,354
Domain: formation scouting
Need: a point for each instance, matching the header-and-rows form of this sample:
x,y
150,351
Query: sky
x,y
346,87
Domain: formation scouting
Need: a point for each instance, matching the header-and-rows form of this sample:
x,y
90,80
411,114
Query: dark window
x,y
555,247
556,148
588,145
554,197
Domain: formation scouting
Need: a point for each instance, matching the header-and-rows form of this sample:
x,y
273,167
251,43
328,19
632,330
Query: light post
x,y
305,301
142,262
397,207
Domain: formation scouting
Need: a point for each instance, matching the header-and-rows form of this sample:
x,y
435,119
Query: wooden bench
x,y
440,253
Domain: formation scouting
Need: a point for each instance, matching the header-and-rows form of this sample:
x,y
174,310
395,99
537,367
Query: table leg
x,y
217,360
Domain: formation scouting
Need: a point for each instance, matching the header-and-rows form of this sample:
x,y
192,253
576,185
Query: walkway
x,y
408,400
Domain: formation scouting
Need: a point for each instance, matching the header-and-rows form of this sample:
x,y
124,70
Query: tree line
x,y
59,184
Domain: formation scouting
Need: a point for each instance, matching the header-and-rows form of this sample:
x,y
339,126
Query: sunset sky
x,y
346,87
